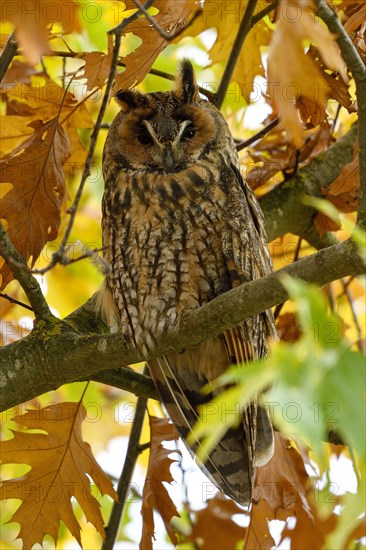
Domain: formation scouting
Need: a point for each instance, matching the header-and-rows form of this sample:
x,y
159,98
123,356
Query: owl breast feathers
x,y
180,227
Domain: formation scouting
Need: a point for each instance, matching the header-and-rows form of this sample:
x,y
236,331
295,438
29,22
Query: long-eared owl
x,y
180,227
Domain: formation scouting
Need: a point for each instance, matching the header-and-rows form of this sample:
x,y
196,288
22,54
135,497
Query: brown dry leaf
x,y
288,328
155,496
19,71
32,19
299,75
32,207
61,462
172,16
337,88
214,526
96,67
349,177
323,224
258,536
310,531
44,103
283,481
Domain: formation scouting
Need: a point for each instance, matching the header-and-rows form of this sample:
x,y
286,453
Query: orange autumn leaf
x,y
258,536
96,67
283,481
172,17
61,462
214,526
349,177
32,206
155,496
288,328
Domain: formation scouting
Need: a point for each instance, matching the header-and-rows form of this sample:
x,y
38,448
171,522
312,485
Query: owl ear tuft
x,y
187,88
127,100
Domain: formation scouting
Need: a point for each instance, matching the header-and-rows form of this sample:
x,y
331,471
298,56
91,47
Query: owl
x,y
181,226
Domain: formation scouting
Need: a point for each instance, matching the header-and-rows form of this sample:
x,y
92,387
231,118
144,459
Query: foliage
x,y
54,94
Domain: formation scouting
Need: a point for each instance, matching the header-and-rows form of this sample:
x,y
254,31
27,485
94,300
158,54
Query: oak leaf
x,y
258,536
283,481
61,462
349,177
96,67
214,526
49,102
32,207
155,496
172,17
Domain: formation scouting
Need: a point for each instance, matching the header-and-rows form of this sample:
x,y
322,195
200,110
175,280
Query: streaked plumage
x,y
181,227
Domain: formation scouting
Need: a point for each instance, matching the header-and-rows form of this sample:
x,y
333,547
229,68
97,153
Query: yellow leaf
x,y
61,462
32,19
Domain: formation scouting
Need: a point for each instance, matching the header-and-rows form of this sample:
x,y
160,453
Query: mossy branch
x,y
43,362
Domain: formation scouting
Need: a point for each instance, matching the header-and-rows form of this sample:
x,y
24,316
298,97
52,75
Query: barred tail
x,y
230,466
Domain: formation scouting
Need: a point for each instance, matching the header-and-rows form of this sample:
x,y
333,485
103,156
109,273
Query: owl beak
x,y
168,158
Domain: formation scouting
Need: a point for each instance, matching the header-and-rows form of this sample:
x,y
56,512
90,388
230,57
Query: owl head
x,y
164,131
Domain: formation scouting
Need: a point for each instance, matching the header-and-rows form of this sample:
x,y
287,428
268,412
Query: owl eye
x,y
189,132
145,139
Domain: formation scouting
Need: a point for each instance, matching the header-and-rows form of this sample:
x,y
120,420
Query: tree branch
x,y
40,363
358,70
133,451
7,55
283,208
26,280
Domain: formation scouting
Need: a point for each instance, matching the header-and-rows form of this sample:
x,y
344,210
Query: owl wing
x,y
247,345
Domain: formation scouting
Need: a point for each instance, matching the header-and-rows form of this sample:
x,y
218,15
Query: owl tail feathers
x,y
230,466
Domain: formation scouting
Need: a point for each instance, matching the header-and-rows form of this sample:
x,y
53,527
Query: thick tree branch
x,y
283,207
23,275
358,70
43,362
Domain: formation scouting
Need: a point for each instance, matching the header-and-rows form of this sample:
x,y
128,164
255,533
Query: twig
x,y
168,36
65,260
7,55
360,343
358,70
152,71
244,28
258,135
26,280
258,16
133,451
14,301
117,31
